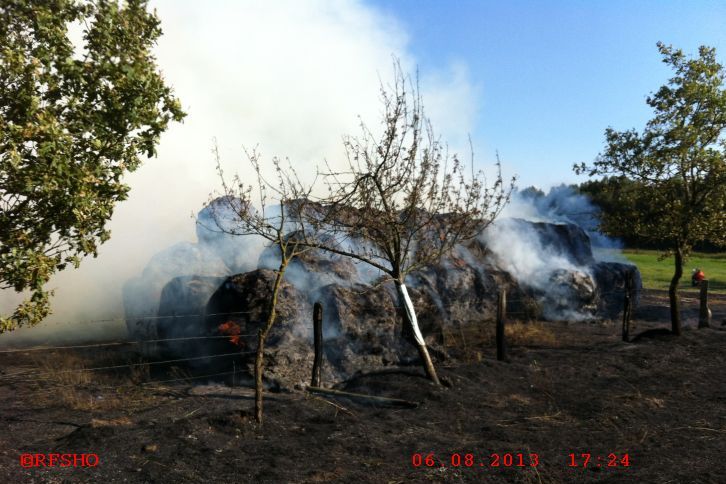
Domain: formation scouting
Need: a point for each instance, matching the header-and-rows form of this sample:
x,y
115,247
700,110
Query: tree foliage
x,y
673,173
613,198
73,121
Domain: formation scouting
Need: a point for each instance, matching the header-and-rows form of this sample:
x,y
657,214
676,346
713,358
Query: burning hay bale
x,y
610,278
571,294
244,300
362,329
548,271
554,264
313,269
241,303
233,251
181,314
142,294
563,238
461,289
214,255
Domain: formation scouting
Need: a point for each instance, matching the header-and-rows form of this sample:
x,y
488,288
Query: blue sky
x,y
550,76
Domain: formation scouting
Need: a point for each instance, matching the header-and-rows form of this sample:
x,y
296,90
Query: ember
x,y
233,329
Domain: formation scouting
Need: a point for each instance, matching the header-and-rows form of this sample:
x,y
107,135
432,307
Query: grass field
x,y
657,274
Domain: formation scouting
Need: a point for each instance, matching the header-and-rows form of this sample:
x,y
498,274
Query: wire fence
x,y
172,317
150,317
30,375
121,343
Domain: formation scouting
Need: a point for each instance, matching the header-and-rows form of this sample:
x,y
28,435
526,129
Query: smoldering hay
x,y
290,77
548,269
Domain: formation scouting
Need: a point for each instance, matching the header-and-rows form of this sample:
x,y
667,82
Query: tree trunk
x,y
412,321
501,315
673,293
262,337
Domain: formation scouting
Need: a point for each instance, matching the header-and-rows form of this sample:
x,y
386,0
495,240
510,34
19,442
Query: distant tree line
x,y
611,200
613,196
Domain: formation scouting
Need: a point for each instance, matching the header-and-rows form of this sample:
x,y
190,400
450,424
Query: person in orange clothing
x,y
697,276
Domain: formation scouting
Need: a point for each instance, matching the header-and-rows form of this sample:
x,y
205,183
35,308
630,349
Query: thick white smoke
x,y
539,256
562,204
288,76
520,250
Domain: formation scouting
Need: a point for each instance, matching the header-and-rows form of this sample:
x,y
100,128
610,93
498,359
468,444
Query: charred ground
x,y
569,388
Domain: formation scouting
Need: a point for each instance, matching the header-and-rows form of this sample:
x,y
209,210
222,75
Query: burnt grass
x,y
660,400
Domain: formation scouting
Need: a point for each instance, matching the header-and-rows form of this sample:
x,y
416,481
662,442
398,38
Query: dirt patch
x,y
568,389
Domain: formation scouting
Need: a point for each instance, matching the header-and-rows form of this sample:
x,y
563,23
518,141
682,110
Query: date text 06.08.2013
x,y
507,459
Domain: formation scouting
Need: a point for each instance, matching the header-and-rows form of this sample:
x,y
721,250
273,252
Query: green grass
x,y
657,274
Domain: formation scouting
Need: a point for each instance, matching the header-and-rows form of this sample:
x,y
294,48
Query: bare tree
x,y
234,214
403,201
401,204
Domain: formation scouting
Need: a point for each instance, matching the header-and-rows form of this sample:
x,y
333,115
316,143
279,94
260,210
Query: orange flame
x,y
460,263
233,330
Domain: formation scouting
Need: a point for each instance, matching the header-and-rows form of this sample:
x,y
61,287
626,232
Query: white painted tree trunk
x,y
420,343
408,307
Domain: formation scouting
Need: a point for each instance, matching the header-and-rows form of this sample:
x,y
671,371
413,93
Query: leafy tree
x,y
678,162
614,203
615,198
73,121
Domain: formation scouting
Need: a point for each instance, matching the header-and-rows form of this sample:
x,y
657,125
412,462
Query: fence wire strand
x,y
121,343
141,317
198,377
38,376
30,375
619,292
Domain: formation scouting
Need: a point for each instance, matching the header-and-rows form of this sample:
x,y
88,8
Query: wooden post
x,y
626,307
501,315
704,314
318,342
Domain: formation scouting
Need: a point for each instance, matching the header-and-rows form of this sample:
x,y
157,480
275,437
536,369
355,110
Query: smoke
x,y
562,204
288,76
522,250
556,261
